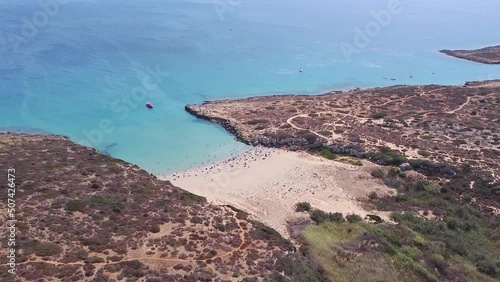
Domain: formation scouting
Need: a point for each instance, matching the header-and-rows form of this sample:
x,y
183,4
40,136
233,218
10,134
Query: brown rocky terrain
x,y
487,55
83,216
457,125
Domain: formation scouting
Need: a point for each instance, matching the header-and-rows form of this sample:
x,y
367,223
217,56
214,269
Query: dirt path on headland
x,y
459,108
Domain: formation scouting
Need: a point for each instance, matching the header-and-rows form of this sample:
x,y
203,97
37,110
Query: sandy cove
x,y
267,183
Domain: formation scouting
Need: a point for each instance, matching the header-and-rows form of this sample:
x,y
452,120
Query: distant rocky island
x,y
487,55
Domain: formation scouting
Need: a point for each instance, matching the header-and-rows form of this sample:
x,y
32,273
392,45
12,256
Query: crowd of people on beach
x,y
233,163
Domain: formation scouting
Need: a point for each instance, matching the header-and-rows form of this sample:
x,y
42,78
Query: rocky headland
x,y
487,55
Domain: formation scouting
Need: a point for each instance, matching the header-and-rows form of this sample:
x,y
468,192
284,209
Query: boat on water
x,y
392,78
149,105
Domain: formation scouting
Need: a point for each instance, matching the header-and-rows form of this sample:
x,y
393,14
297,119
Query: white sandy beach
x,y
267,183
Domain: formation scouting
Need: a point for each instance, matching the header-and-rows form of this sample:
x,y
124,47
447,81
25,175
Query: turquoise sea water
x,y
85,70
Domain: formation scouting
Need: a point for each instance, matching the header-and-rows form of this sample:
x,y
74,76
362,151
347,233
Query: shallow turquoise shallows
x,y
86,68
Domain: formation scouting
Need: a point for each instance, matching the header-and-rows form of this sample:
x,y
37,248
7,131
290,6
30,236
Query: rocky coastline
x,y
488,55
231,127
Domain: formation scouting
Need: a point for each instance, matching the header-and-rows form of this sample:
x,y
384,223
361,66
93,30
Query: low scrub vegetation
x,y
387,157
320,216
188,196
45,249
353,218
424,153
264,232
309,136
356,162
378,115
448,240
378,173
326,133
328,154
414,250
302,206
257,121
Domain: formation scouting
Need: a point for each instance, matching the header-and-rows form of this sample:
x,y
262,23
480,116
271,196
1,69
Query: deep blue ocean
x,y
85,68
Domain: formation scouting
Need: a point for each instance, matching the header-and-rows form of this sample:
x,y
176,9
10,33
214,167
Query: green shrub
x,y
98,240
188,196
196,219
296,269
378,173
388,157
327,154
378,115
488,267
252,256
459,142
373,195
256,121
45,249
353,218
424,153
432,168
325,133
425,185
355,162
426,136
155,228
94,259
81,254
403,261
308,135
263,232
377,219
392,182
320,216
302,206
52,166
98,201
310,138
76,205
393,172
